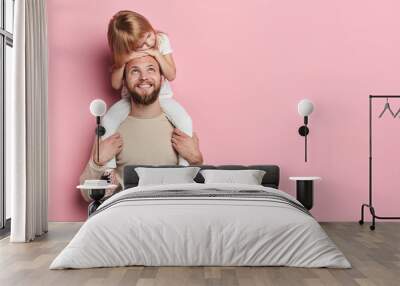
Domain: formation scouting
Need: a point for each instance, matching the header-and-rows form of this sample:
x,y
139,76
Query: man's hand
x,y
187,147
108,149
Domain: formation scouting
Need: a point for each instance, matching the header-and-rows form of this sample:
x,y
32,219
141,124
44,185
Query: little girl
x,y
129,35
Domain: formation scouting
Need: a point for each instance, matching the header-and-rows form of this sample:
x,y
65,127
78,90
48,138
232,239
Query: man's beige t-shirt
x,y
145,142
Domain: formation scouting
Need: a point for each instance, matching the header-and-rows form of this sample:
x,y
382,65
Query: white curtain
x,y
26,123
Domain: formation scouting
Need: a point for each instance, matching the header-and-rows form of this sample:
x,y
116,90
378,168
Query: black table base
x,y
96,195
304,193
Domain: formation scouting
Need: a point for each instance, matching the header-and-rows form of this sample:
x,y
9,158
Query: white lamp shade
x,y
98,107
305,107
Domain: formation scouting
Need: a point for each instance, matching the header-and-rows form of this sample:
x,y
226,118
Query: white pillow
x,y
162,176
249,177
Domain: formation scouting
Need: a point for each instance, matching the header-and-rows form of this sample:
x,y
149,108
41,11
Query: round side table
x,y
304,190
95,193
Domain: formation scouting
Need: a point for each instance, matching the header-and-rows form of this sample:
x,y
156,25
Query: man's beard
x,y
145,99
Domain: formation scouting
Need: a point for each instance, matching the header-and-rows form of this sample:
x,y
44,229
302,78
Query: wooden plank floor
x,y
375,257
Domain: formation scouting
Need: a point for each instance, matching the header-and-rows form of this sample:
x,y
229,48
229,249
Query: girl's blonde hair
x,y
124,31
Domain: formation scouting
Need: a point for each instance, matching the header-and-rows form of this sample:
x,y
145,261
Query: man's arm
x,y
94,170
188,147
91,172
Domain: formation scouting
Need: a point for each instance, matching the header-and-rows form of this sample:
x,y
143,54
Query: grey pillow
x,y
248,177
162,176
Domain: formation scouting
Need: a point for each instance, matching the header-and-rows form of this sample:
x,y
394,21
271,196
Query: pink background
x,y
242,67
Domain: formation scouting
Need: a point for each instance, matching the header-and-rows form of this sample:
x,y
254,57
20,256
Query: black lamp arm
x,y
100,131
303,131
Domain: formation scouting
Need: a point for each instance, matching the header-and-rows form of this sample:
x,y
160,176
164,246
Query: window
x,y
6,64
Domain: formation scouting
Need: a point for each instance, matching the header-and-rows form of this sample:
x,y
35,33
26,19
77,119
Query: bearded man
x,y
146,137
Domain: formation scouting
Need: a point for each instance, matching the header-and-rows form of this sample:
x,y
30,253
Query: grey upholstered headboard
x,y
270,179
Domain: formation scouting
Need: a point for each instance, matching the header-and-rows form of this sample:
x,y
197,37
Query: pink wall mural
x,y
242,67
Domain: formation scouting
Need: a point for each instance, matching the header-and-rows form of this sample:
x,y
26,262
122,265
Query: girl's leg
x,y
179,118
117,113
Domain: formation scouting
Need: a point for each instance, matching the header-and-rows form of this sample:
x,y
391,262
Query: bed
x,y
201,224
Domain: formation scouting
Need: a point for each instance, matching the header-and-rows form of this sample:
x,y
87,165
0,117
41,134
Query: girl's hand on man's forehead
x,y
135,55
150,52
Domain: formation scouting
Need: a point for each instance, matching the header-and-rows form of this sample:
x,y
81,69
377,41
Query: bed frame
x,y
270,179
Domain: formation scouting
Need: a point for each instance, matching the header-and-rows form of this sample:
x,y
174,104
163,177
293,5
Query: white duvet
x,y
200,231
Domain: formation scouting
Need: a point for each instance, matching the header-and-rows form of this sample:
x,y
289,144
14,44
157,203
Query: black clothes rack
x,y
370,205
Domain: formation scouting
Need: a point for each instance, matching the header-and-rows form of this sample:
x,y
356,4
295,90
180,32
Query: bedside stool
x,y
96,194
304,190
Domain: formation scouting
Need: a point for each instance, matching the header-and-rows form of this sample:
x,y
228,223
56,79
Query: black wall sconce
x,y
98,108
305,108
